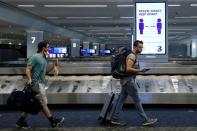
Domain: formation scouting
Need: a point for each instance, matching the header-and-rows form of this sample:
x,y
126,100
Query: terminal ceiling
x,y
110,20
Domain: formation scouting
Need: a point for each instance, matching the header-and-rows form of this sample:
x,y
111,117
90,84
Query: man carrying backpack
x,y
129,87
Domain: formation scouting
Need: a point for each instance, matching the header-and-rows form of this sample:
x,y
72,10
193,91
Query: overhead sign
x,y
151,27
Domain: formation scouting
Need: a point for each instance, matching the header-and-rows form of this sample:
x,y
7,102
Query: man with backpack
x,y
129,87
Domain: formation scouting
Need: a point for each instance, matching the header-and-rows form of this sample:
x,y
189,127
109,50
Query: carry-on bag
x,y
109,107
24,101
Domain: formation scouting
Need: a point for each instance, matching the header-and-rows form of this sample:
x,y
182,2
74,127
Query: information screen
x,y
88,51
151,27
58,50
105,52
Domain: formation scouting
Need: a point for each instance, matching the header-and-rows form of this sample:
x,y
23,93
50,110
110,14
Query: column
x,y
194,47
33,38
86,45
102,47
96,48
75,47
188,49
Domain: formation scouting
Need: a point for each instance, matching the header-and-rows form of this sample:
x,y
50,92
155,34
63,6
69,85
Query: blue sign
x,y
105,52
88,51
58,50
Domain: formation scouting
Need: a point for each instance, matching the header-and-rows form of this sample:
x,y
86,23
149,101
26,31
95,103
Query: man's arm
x,y
28,74
52,67
130,64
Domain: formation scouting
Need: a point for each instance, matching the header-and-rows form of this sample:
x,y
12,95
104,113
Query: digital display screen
x,y
151,27
88,51
103,52
58,50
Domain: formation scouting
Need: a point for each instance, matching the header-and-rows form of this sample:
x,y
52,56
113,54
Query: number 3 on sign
x,y
33,39
159,48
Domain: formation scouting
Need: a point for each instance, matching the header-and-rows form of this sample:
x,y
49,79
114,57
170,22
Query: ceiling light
x,y
109,33
102,29
176,32
193,4
174,5
171,37
71,6
120,37
88,17
193,17
124,5
179,29
102,37
126,17
80,30
128,29
186,17
52,17
26,5
93,30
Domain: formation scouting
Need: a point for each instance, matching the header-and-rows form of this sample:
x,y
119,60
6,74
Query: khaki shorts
x,y
42,95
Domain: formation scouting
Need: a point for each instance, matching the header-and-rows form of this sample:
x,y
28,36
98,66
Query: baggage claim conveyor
x,y
89,83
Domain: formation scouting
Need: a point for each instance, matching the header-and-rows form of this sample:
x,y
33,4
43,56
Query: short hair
x,y
41,45
137,42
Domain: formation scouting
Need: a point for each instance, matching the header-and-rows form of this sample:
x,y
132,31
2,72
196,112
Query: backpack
x,y
118,63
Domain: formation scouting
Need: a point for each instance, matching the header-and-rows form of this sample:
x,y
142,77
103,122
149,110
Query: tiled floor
x,y
86,119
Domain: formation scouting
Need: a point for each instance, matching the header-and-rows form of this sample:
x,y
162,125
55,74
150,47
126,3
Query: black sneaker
x,y
22,124
117,121
56,122
149,121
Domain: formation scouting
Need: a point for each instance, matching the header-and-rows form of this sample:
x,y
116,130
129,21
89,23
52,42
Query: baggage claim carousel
x,y
89,83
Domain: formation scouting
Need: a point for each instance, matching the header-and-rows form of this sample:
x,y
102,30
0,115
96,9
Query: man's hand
x,y
29,82
55,70
28,74
144,70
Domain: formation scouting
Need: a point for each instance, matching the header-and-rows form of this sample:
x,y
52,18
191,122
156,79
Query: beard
x,y
138,52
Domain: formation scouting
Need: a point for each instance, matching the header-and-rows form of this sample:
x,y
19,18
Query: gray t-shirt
x,y
38,71
124,80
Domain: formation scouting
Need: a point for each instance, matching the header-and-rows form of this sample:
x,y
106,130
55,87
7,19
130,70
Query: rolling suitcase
x,y
109,107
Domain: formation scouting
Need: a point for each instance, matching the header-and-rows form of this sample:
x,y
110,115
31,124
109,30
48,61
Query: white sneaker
x,y
149,121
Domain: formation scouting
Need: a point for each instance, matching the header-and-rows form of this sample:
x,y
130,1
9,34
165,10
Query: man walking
x,y
129,87
35,73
